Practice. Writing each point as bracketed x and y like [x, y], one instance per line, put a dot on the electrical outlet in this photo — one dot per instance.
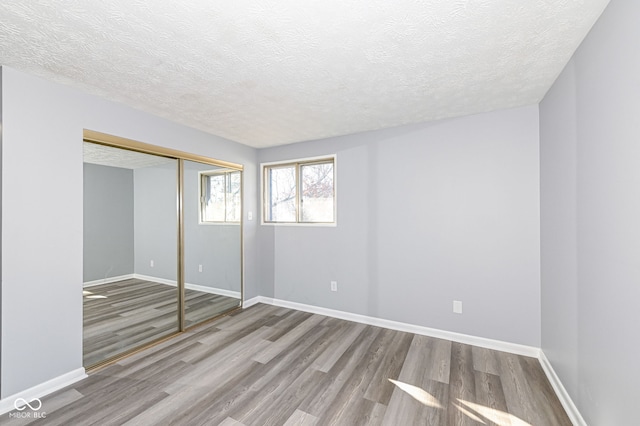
[334, 285]
[457, 307]
[199, 268]
[250, 215]
[151, 263]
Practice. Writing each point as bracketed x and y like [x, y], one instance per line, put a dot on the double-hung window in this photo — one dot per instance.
[220, 196]
[301, 191]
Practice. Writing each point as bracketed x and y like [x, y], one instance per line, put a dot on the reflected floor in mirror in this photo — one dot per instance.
[267, 365]
[123, 315]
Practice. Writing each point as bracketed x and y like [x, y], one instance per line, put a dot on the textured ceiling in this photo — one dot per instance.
[267, 72]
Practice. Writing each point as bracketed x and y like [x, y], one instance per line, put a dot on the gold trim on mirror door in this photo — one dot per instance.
[105, 139]
[242, 210]
[181, 296]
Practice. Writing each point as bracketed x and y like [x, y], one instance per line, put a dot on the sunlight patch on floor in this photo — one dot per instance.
[496, 416]
[418, 394]
[89, 295]
[477, 412]
[469, 414]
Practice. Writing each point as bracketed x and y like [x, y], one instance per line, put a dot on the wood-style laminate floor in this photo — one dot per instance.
[274, 366]
[126, 314]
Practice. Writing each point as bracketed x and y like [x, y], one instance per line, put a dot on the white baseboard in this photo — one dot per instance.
[218, 291]
[400, 326]
[202, 288]
[252, 301]
[155, 279]
[196, 287]
[108, 280]
[561, 392]
[7, 404]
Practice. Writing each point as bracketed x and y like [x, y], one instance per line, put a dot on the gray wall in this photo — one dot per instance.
[156, 221]
[427, 214]
[215, 247]
[1, 198]
[107, 222]
[590, 163]
[558, 206]
[109, 215]
[42, 279]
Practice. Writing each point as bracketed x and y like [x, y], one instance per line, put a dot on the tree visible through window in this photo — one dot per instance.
[300, 192]
[220, 196]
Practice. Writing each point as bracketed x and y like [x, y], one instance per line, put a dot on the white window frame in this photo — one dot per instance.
[201, 197]
[297, 163]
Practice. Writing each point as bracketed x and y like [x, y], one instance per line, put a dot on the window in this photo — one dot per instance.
[220, 196]
[299, 192]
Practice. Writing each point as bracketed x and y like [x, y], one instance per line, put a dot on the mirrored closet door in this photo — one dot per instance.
[162, 245]
[212, 237]
[130, 293]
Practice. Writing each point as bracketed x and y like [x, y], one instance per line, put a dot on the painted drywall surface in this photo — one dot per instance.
[109, 228]
[215, 247]
[156, 221]
[107, 222]
[42, 255]
[558, 203]
[1, 198]
[42, 251]
[608, 229]
[265, 237]
[427, 214]
[606, 72]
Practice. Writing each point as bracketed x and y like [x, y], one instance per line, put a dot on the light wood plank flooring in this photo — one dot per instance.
[274, 366]
[126, 314]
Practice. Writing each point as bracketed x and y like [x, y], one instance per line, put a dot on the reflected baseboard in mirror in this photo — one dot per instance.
[124, 315]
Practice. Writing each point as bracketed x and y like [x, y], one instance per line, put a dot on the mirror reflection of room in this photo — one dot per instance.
[130, 295]
[212, 237]
[131, 248]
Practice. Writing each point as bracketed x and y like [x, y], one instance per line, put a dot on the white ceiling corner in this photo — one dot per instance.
[266, 72]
